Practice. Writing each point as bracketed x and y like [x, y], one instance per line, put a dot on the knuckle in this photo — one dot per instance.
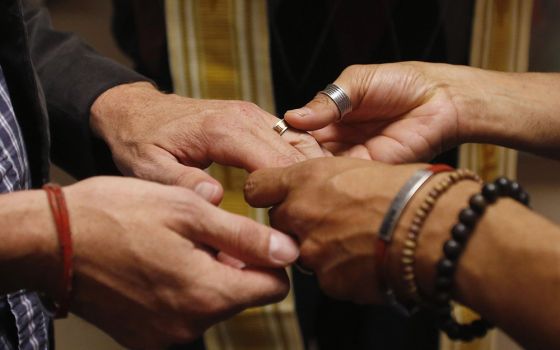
[245, 109]
[306, 172]
[247, 237]
[353, 70]
[185, 178]
[284, 160]
[213, 126]
[188, 213]
[297, 210]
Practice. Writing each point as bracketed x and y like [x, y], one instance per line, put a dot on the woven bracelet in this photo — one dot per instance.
[60, 215]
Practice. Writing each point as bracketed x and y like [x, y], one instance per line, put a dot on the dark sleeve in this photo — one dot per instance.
[72, 76]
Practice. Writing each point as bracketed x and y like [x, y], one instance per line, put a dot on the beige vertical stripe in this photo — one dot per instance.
[261, 53]
[191, 48]
[243, 50]
[175, 45]
[219, 49]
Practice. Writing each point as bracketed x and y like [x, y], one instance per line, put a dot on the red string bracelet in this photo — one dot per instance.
[59, 211]
[387, 228]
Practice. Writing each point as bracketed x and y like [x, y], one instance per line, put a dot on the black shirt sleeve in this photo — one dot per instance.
[72, 76]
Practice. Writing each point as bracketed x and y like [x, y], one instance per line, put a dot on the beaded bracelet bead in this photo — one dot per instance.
[453, 249]
[409, 248]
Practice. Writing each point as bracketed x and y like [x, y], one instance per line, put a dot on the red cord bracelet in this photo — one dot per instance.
[59, 211]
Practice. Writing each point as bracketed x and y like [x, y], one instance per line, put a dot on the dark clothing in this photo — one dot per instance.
[137, 29]
[311, 43]
[51, 71]
[24, 324]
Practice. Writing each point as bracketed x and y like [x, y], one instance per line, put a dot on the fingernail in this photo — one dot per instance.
[301, 112]
[206, 190]
[282, 249]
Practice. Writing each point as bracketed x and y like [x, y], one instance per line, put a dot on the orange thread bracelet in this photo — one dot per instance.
[60, 215]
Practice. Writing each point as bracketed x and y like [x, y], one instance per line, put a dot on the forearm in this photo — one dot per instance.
[29, 249]
[516, 110]
[510, 269]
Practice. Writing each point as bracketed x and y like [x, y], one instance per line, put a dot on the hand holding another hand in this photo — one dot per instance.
[402, 112]
[145, 269]
[169, 139]
[334, 207]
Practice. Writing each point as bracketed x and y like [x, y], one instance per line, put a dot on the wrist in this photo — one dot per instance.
[434, 232]
[516, 110]
[469, 89]
[29, 254]
[110, 107]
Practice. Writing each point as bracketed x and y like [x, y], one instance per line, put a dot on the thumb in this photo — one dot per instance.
[322, 111]
[318, 113]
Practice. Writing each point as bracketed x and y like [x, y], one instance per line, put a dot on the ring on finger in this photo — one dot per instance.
[281, 127]
[340, 99]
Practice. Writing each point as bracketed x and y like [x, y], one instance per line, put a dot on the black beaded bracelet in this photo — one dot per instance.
[454, 247]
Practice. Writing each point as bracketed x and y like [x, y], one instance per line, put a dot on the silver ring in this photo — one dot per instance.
[340, 99]
[281, 127]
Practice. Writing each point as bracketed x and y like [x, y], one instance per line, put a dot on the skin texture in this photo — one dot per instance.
[337, 236]
[334, 206]
[145, 269]
[409, 112]
[169, 139]
[412, 111]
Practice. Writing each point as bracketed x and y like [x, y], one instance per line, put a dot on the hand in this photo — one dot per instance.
[403, 112]
[168, 138]
[145, 267]
[334, 207]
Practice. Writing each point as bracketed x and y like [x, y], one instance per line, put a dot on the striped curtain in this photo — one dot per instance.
[500, 41]
[219, 49]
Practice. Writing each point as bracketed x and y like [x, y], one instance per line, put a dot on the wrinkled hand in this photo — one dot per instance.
[334, 207]
[168, 138]
[145, 268]
[402, 112]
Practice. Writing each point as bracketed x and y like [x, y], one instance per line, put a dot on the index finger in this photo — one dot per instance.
[266, 187]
